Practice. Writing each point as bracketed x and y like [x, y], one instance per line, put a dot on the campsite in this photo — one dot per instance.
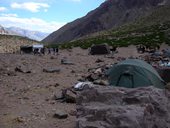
[85, 64]
[32, 85]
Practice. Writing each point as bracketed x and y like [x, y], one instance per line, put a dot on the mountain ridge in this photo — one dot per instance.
[35, 35]
[110, 14]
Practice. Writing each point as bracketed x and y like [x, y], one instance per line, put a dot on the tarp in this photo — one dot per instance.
[38, 46]
[133, 73]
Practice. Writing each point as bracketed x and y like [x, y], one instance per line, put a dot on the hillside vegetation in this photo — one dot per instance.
[151, 30]
[11, 43]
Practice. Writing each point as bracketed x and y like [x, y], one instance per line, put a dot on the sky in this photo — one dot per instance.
[43, 15]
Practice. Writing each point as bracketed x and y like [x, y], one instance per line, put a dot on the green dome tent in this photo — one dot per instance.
[132, 73]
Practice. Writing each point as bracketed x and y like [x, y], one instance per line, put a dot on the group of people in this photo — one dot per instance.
[38, 49]
[44, 51]
[150, 49]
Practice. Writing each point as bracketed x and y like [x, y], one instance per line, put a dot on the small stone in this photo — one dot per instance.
[58, 96]
[70, 97]
[92, 77]
[81, 78]
[52, 57]
[56, 84]
[73, 113]
[66, 62]
[99, 61]
[51, 70]
[98, 71]
[20, 119]
[72, 71]
[60, 114]
[22, 70]
[101, 82]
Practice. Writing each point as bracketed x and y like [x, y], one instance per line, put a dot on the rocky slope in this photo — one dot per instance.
[111, 14]
[12, 43]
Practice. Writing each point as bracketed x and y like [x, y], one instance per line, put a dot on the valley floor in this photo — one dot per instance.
[26, 99]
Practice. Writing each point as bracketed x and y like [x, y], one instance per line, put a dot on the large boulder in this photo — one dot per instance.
[112, 107]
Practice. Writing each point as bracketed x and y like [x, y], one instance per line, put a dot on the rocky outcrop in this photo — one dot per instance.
[112, 107]
[111, 14]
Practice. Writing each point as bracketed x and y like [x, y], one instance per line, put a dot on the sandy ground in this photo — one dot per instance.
[26, 99]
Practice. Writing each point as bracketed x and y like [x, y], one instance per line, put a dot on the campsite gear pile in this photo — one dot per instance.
[161, 62]
[97, 75]
[164, 72]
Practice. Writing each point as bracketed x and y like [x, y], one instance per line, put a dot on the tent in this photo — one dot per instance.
[132, 73]
[100, 49]
[26, 49]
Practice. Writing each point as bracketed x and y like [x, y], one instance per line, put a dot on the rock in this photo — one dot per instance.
[167, 86]
[7, 72]
[22, 70]
[58, 96]
[73, 113]
[60, 114]
[101, 82]
[11, 73]
[81, 78]
[66, 95]
[99, 61]
[98, 71]
[51, 70]
[70, 96]
[113, 107]
[66, 62]
[56, 85]
[92, 77]
[72, 71]
[52, 57]
[20, 119]
[53, 85]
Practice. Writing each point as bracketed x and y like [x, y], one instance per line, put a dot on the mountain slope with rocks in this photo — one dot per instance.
[111, 14]
[152, 30]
